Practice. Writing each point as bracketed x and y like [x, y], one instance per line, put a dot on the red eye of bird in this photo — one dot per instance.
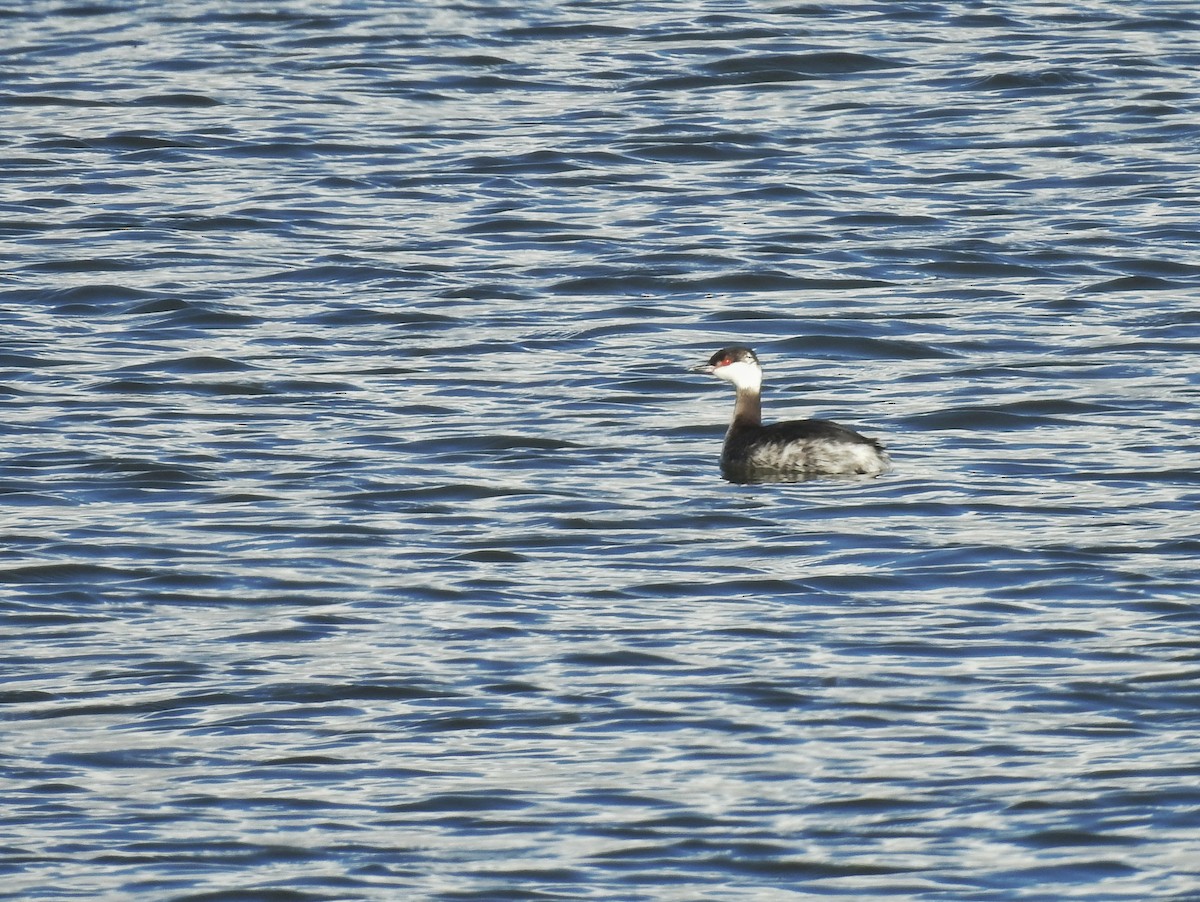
[725, 361]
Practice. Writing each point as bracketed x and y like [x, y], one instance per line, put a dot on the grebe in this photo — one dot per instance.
[795, 449]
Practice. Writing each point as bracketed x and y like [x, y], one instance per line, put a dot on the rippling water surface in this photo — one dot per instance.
[363, 534]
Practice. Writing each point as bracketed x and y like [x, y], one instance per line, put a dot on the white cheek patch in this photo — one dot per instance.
[742, 373]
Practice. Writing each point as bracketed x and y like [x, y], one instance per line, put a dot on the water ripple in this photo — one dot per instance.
[364, 532]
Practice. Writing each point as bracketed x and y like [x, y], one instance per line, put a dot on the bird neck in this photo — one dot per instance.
[747, 410]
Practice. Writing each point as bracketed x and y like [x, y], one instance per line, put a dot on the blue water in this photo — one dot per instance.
[363, 531]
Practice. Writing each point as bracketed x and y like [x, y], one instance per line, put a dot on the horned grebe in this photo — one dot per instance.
[797, 448]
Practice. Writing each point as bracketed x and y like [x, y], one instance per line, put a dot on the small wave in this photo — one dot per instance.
[1134, 283]
[177, 101]
[1008, 417]
[649, 283]
[1027, 82]
[51, 100]
[822, 345]
[767, 68]
[823, 63]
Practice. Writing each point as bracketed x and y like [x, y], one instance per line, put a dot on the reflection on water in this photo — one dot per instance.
[751, 476]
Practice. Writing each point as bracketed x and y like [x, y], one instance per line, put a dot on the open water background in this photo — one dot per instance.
[362, 531]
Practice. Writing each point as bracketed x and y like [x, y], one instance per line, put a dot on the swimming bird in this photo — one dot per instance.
[793, 449]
